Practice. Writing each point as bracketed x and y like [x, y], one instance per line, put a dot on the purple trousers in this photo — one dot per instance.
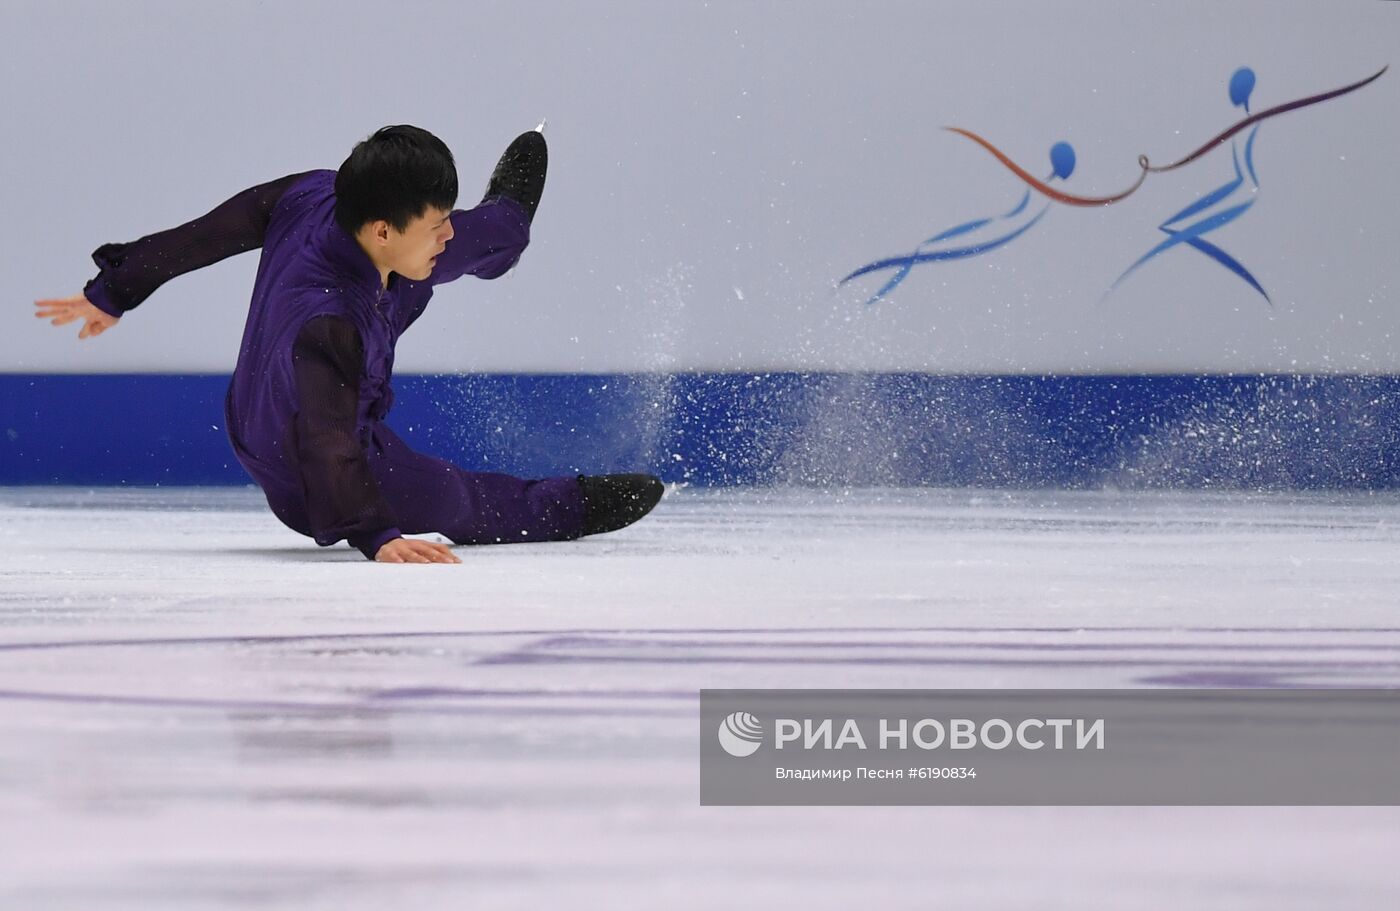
[428, 494]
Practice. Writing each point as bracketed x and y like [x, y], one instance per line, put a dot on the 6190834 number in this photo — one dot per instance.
[940, 772]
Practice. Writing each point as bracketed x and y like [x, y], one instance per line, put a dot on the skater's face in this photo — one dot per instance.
[413, 252]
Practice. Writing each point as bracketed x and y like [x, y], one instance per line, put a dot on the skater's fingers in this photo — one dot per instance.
[62, 311]
[62, 303]
[96, 325]
[438, 553]
[428, 552]
[406, 550]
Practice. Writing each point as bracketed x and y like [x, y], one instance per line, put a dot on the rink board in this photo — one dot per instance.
[717, 429]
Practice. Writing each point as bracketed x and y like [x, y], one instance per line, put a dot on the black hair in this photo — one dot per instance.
[394, 175]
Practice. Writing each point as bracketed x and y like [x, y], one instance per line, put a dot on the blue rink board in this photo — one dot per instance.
[1271, 431]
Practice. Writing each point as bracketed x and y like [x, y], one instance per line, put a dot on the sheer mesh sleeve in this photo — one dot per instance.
[132, 271]
[342, 496]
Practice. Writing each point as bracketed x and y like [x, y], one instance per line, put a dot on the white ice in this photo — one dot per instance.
[200, 709]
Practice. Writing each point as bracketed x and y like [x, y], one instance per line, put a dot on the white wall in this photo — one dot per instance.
[716, 166]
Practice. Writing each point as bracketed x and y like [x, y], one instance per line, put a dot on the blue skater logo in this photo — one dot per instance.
[1193, 234]
[1062, 166]
[1188, 226]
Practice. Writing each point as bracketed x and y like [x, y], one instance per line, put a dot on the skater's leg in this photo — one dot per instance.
[428, 494]
[488, 239]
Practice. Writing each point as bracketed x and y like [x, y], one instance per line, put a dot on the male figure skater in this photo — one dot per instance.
[349, 261]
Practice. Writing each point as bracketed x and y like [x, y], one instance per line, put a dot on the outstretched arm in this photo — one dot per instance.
[131, 272]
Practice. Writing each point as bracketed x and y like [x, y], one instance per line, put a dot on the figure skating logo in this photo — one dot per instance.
[741, 734]
[1212, 211]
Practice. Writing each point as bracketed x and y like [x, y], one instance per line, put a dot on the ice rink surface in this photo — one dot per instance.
[200, 709]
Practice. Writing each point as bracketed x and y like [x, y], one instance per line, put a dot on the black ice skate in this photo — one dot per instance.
[519, 174]
[613, 501]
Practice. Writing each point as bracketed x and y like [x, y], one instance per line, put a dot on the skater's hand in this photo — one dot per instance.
[409, 550]
[67, 309]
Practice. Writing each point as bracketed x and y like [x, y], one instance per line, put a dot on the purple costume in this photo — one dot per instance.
[305, 410]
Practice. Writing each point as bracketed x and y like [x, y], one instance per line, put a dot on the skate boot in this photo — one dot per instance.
[519, 174]
[613, 501]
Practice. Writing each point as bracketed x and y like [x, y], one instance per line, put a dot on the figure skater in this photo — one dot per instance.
[349, 261]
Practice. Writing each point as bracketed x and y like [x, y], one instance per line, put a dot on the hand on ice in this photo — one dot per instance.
[409, 550]
[62, 311]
